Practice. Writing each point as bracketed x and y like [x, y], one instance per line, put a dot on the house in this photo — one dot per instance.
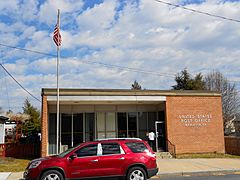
[3, 119]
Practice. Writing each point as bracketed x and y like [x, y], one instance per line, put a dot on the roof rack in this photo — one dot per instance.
[118, 139]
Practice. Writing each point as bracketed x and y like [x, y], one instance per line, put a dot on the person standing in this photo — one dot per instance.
[151, 137]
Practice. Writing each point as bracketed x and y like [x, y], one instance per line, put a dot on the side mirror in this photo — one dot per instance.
[73, 156]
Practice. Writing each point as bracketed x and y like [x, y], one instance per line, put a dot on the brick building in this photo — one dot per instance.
[185, 121]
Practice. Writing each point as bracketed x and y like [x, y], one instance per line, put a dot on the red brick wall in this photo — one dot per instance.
[44, 144]
[195, 124]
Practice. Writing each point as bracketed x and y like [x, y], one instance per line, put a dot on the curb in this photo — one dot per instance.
[198, 173]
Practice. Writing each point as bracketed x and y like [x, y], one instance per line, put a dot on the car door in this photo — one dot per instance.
[86, 162]
[112, 159]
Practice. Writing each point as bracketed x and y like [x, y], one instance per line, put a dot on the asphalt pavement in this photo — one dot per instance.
[181, 168]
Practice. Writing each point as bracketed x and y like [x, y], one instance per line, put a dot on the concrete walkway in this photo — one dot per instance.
[15, 176]
[175, 167]
[4, 175]
[182, 167]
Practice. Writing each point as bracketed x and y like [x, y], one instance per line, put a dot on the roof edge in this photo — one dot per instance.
[126, 92]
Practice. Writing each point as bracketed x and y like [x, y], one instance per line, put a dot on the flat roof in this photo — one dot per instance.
[125, 92]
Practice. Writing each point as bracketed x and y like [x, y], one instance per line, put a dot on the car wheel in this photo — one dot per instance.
[52, 175]
[136, 173]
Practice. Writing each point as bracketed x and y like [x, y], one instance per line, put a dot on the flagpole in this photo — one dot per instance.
[58, 57]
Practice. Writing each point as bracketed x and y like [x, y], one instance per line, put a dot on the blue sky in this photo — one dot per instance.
[142, 34]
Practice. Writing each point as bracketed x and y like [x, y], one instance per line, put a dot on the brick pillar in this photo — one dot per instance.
[44, 144]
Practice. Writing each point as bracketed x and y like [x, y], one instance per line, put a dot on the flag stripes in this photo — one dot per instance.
[57, 36]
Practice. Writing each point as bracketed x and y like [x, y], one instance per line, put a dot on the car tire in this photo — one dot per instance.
[52, 174]
[136, 173]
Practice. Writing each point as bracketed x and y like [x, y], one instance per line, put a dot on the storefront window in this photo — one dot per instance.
[77, 128]
[122, 125]
[89, 126]
[101, 125]
[52, 133]
[143, 125]
[110, 125]
[66, 130]
[152, 117]
[132, 124]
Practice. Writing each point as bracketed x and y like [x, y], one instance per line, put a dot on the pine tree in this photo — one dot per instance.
[32, 125]
[136, 86]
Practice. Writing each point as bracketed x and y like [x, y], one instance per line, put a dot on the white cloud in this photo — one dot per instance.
[151, 37]
[40, 41]
[8, 6]
[29, 9]
[98, 18]
[48, 10]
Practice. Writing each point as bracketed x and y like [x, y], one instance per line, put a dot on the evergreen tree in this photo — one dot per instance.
[136, 86]
[185, 81]
[32, 125]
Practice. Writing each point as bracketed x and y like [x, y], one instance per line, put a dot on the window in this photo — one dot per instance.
[77, 128]
[132, 124]
[66, 129]
[122, 125]
[111, 148]
[89, 150]
[52, 133]
[137, 147]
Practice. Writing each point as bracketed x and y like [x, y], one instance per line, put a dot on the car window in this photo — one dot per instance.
[137, 147]
[110, 148]
[89, 150]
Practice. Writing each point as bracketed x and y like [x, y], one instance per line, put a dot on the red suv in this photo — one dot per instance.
[130, 158]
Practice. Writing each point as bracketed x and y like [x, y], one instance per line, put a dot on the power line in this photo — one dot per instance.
[99, 63]
[28, 50]
[6, 87]
[197, 11]
[19, 83]
[94, 62]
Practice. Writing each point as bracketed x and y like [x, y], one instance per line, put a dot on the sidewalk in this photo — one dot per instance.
[175, 167]
[180, 167]
[4, 175]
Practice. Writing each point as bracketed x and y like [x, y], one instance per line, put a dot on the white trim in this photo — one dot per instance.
[108, 98]
[99, 149]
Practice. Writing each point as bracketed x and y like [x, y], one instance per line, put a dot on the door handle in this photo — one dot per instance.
[122, 158]
[95, 160]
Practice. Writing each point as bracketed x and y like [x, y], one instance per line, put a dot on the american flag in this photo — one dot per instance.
[57, 36]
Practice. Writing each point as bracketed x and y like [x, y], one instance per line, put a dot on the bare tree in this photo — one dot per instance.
[215, 81]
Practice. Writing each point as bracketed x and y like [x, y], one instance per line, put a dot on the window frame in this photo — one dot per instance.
[146, 148]
[98, 150]
[122, 152]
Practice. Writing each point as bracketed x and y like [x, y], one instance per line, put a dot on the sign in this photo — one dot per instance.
[195, 120]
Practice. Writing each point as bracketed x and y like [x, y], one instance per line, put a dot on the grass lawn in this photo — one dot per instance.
[207, 155]
[13, 165]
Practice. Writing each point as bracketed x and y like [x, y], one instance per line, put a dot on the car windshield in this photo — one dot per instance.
[67, 151]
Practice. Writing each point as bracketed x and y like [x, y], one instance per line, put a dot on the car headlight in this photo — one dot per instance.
[34, 164]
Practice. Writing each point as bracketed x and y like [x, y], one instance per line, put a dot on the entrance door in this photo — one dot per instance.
[160, 136]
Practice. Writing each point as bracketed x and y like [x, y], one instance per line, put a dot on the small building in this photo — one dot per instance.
[184, 121]
[3, 119]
